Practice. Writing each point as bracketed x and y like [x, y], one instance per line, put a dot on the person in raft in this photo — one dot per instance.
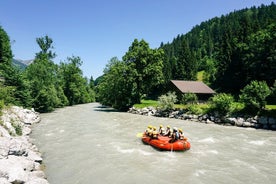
[148, 131]
[154, 133]
[181, 135]
[161, 130]
[175, 135]
[168, 131]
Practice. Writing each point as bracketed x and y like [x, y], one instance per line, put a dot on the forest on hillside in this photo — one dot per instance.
[232, 50]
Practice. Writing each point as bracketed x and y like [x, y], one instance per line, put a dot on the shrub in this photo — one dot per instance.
[1, 105]
[18, 129]
[195, 109]
[189, 98]
[254, 95]
[222, 103]
[271, 99]
[166, 102]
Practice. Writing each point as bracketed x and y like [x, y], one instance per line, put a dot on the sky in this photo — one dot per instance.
[98, 30]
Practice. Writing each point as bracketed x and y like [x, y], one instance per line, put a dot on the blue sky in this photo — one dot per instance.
[97, 30]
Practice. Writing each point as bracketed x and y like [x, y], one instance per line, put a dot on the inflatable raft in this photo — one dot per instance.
[162, 143]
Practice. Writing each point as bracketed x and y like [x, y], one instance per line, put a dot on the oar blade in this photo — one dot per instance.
[139, 135]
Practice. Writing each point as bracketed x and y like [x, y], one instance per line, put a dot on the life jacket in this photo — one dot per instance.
[176, 135]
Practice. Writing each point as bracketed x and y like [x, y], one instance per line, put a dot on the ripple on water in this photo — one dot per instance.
[206, 152]
[207, 140]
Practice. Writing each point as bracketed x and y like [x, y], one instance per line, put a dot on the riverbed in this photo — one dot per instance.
[89, 143]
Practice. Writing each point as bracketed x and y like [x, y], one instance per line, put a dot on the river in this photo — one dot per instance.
[88, 143]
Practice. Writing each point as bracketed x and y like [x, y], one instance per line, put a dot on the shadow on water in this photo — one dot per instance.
[104, 108]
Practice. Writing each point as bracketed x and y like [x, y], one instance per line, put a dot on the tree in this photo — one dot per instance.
[5, 48]
[14, 86]
[254, 95]
[75, 86]
[146, 65]
[116, 87]
[186, 67]
[45, 44]
[42, 77]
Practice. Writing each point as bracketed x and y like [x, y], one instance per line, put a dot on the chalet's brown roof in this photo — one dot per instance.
[192, 87]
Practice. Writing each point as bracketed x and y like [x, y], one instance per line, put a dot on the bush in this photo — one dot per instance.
[1, 104]
[195, 109]
[222, 103]
[271, 99]
[189, 98]
[166, 102]
[18, 129]
[254, 95]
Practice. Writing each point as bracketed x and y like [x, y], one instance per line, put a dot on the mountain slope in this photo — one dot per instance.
[22, 64]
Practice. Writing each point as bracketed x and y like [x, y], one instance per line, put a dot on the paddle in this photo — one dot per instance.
[139, 135]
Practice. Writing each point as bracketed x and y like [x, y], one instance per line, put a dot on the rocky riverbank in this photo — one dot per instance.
[20, 160]
[261, 122]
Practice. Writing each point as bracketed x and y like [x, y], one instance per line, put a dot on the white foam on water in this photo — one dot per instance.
[49, 134]
[215, 152]
[119, 149]
[144, 152]
[199, 172]
[259, 143]
[61, 131]
[207, 140]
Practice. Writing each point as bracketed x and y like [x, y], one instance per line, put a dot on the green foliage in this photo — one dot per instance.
[75, 87]
[18, 129]
[167, 101]
[254, 95]
[189, 98]
[222, 103]
[115, 88]
[2, 104]
[7, 94]
[195, 109]
[5, 49]
[45, 44]
[272, 97]
[146, 67]
[54, 85]
[124, 83]
[233, 50]
[13, 88]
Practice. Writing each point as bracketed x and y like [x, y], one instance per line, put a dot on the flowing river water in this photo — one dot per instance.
[88, 143]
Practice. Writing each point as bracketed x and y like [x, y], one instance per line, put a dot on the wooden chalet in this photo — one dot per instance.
[197, 87]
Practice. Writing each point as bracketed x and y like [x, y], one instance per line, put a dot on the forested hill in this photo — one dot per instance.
[233, 50]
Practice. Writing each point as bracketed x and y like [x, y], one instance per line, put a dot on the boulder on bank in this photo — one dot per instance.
[20, 161]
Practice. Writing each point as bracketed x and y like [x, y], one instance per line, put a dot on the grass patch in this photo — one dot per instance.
[154, 103]
[146, 103]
